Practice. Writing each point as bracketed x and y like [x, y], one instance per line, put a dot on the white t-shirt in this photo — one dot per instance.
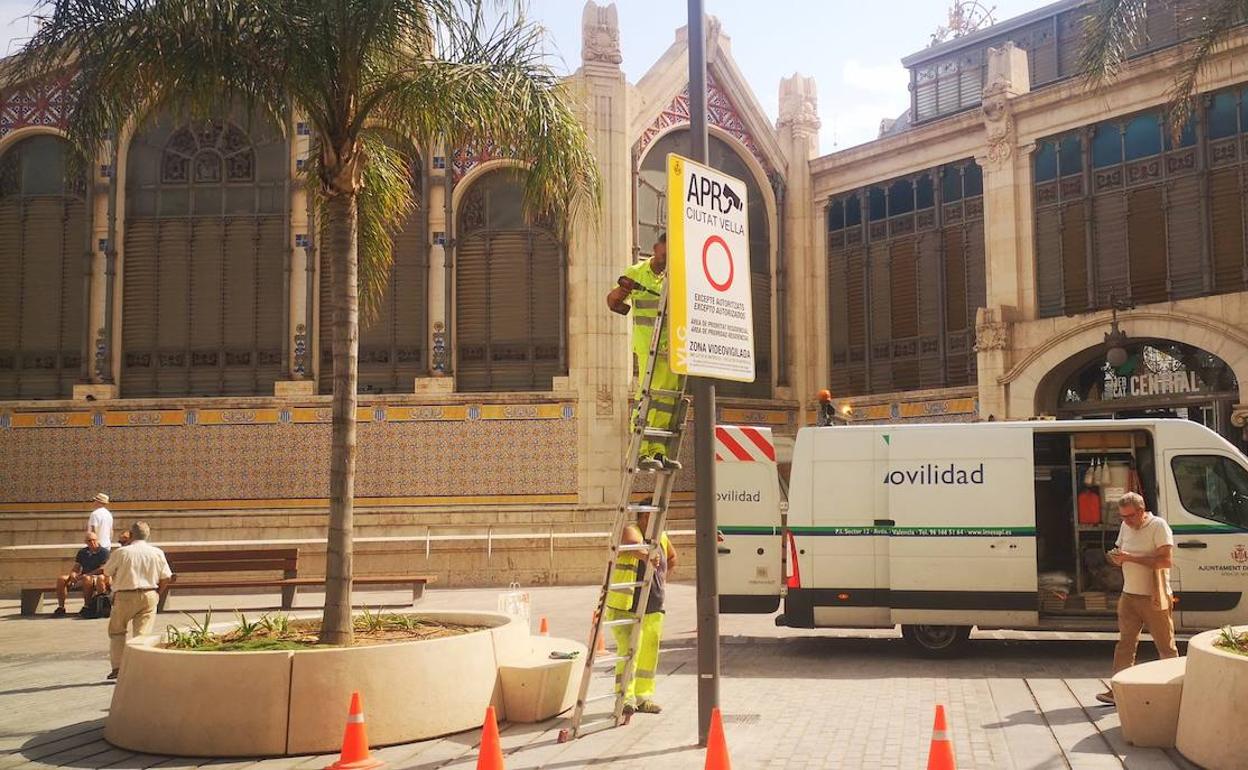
[101, 522]
[1136, 578]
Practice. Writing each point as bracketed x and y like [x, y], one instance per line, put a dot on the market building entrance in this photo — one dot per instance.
[1158, 378]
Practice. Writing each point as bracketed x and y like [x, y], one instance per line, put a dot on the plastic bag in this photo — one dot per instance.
[513, 601]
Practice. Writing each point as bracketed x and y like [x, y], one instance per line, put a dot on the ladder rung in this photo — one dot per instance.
[658, 432]
[609, 660]
[634, 547]
[667, 393]
[596, 698]
[622, 622]
[642, 508]
[597, 724]
[624, 586]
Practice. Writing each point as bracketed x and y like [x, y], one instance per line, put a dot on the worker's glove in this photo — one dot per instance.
[615, 300]
[628, 284]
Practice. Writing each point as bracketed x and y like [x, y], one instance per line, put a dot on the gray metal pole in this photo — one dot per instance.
[704, 426]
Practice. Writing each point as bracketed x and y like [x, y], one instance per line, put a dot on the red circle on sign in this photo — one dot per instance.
[706, 247]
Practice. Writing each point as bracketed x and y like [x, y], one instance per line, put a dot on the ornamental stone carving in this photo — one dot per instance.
[1007, 78]
[798, 105]
[1239, 416]
[600, 34]
[991, 333]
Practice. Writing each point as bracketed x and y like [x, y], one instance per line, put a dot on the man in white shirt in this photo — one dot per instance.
[138, 573]
[1144, 548]
[101, 521]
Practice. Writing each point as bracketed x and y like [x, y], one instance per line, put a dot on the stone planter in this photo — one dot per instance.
[1215, 705]
[295, 702]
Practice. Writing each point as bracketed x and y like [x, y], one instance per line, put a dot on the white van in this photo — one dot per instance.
[939, 528]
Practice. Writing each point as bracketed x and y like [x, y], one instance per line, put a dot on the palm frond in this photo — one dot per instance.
[489, 82]
[385, 199]
[1218, 18]
[1111, 32]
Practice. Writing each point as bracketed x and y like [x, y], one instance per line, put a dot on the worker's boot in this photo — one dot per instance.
[650, 464]
[647, 706]
[668, 463]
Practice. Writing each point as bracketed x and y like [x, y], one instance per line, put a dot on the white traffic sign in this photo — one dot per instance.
[710, 314]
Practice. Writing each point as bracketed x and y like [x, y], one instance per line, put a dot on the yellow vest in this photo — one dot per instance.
[645, 308]
[626, 571]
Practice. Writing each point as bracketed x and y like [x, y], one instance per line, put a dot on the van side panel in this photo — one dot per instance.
[962, 549]
[836, 529]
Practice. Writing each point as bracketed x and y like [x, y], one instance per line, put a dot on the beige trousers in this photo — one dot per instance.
[138, 608]
[1136, 612]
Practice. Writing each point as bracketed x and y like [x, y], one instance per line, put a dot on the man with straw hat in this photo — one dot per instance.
[101, 520]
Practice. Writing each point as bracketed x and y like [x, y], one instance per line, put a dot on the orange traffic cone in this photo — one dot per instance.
[716, 747]
[491, 756]
[941, 755]
[355, 754]
[543, 628]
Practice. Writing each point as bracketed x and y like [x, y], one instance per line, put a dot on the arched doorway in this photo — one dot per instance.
[1160, 378]
[43, 229]
[509, 290]
[651, 213]
[205, 243]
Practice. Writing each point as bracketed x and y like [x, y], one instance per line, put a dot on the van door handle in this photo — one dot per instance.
[1193, 544]
[885, 522]
[723, 550]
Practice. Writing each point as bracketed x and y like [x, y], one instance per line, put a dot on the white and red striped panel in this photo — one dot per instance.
[744, 444]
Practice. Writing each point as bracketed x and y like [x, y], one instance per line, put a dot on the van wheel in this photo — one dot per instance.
[937, 641]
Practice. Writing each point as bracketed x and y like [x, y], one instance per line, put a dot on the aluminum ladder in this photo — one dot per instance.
[626, 513]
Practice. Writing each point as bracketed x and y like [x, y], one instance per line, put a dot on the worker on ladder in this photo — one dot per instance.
[642, 285]
[622, 603]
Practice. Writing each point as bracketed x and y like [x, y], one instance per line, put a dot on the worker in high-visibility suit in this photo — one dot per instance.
[642, 285]
[622, 603]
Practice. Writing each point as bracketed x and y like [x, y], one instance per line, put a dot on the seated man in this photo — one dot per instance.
[87, 574]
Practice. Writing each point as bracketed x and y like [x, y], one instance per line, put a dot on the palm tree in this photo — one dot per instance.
[1116, 29]
[355, 70]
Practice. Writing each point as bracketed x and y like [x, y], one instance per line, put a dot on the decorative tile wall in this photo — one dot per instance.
[282, 453]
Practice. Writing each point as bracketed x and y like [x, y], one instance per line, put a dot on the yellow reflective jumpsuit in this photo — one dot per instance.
[623, 604]
[645, 302]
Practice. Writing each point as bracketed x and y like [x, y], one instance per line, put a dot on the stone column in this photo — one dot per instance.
[598, 354]
[101, 177]
[301, 283]
[437, 378]
[804, 270]
[1007, 226]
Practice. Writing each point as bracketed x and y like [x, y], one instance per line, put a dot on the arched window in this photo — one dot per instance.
[509, 292]
[392, 344]
[205, 246]
[652, 220]
[43, 230]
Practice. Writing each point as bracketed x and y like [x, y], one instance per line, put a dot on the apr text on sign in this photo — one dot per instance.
[711, 317]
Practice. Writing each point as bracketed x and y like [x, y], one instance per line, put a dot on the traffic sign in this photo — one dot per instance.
[708, 244]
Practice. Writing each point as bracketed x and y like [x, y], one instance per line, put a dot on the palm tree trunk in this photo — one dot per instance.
[341, 228]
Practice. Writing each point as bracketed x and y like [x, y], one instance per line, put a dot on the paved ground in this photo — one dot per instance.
[791, 698]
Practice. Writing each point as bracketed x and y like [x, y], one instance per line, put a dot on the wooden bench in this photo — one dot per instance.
[272, 560]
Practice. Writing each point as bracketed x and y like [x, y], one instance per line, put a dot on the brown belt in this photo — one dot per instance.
[133, 590]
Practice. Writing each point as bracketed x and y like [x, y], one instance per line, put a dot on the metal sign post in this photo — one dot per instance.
[704, 426]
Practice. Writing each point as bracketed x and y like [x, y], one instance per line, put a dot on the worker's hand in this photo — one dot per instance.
[615, 300]
[627, 284]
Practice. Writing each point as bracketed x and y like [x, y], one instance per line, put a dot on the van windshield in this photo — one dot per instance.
[1212, 487]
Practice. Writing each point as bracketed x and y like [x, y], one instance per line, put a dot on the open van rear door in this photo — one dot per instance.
[747, 500]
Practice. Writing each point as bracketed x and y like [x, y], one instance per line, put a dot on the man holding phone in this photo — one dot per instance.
[1144, 550]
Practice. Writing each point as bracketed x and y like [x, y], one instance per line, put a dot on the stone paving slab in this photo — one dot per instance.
[792, 698]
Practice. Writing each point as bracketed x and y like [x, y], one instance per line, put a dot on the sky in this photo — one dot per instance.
[852, 48]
